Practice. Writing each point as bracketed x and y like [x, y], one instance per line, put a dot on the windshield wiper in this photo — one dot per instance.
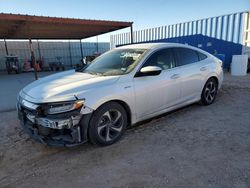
[94, 73]
[88, 72]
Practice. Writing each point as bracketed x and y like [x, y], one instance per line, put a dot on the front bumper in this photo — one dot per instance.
[69, 129]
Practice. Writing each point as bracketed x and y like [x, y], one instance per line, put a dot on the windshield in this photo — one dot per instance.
[115, 62]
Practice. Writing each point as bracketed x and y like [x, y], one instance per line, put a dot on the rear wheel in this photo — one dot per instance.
[107, 124]
[209, 92]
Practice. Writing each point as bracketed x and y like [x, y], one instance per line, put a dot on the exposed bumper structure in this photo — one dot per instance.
[54, 123]
[67, 129]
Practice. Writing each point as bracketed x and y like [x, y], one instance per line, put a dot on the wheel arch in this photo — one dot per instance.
[124, 105]
[213, 75]
[209, 77]
[215, 78]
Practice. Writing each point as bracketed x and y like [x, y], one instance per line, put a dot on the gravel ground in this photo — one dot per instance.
[196, 146]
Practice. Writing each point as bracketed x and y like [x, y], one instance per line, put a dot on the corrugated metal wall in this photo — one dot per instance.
[227, 27]
[68, 51]
[246, 36]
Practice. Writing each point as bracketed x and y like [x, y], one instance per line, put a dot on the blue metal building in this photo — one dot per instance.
[224, 36]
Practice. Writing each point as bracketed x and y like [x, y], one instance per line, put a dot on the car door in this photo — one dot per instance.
[155, 93]
[191, 71]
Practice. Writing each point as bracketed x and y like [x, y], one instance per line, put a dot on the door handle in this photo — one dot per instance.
[175, 76]
[203, 68]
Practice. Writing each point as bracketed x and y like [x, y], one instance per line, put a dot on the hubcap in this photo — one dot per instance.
[110, 125]
[210, 92]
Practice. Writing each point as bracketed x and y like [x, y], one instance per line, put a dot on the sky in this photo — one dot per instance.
[144, 13]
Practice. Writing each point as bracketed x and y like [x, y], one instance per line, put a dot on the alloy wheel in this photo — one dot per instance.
[110, 125]
[210, 91]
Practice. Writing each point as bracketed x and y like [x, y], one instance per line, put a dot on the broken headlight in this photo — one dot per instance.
[64, 107]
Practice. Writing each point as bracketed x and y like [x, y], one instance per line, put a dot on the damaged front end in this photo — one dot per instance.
[57, 124]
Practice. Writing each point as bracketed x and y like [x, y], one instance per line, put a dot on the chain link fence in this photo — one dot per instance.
[69, 53]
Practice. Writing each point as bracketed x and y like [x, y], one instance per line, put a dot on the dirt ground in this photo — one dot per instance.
[196, 146]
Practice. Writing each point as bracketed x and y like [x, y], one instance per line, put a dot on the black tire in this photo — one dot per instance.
[107, 124]
[209, 92]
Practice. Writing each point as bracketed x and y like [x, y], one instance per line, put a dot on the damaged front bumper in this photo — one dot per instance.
[66, 129]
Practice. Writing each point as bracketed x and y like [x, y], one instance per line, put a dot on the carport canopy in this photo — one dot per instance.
[16, 26]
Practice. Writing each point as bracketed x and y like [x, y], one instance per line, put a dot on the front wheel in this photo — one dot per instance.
[107, 124]
[209, 92]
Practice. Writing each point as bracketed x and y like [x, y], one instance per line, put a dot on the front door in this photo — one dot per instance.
[155, 93]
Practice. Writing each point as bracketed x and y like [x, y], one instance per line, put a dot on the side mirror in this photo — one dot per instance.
[149, 71]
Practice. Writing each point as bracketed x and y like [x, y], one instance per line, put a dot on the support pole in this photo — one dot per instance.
[81, 48]
[81, 52]
[97, 47]
[39, 50]
[6, 48]
[131, 34]
[70, 55]
[33, 60]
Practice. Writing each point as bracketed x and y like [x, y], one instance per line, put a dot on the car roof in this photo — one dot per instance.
[153, 45]
[158, 45]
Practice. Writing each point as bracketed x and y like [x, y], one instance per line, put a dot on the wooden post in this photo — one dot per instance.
[33, 59]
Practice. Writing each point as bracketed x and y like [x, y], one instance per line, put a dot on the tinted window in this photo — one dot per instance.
[186, 56]
[201, 56]
[162, 58]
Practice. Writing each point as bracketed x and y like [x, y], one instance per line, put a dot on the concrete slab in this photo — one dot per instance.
[10, 85]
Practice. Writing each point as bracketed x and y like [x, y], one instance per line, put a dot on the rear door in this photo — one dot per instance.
[192, 73]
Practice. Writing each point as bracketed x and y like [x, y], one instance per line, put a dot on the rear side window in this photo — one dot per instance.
[186, 56]
[201, 56]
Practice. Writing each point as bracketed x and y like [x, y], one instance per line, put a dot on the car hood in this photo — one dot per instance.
[64, 86]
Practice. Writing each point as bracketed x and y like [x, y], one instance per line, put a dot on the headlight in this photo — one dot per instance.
[64, 107]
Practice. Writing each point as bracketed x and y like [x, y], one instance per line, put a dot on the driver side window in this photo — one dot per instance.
[162, 58]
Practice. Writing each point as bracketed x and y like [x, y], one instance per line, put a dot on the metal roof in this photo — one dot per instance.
[16, 26]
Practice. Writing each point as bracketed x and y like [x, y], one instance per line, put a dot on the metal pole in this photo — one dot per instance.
[6, 48]
[131, 33]
[97, 44]
[70, 55]
[81, 52]
[33, 60]
[81, 49]
[39, 50]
